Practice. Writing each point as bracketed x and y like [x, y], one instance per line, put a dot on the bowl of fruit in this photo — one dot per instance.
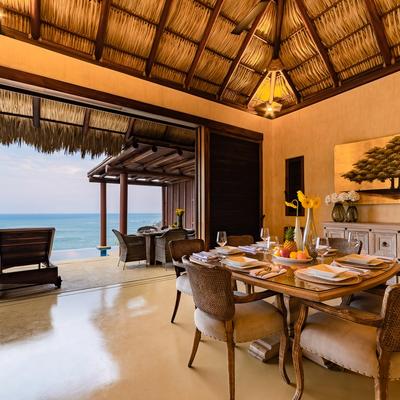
[288, 252]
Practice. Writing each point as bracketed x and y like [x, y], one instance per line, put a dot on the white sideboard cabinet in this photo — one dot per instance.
[377, 239]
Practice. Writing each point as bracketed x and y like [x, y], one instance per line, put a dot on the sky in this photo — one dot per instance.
[35, 183]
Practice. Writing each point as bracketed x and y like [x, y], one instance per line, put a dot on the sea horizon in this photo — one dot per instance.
[76, 231]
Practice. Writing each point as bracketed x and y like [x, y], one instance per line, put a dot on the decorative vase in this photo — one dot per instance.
[351, 213]
[298, 236]
[338, 213]
[310, 234]
[180, 221]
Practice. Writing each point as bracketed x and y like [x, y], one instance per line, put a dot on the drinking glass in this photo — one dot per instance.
[222, 238]
[264, 233]
[272, 241]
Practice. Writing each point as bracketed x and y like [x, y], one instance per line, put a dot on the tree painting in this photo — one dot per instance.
[379, 164]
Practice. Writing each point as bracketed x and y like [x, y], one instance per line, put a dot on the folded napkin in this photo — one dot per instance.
[326, 271]
[227, 250]
[362, 259]
[266, 273]
[205, 256]
[248, 249]
[242, 262]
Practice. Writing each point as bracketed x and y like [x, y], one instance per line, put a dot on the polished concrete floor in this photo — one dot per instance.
[118, 343]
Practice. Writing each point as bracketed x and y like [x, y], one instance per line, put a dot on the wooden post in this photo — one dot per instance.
[103, 220]
[123, 203]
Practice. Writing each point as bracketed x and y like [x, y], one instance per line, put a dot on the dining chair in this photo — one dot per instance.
[233, 319]
[131, 247]
[360, 341]
[344, 247]
[179, 249]
[162, 253]
[240, 240]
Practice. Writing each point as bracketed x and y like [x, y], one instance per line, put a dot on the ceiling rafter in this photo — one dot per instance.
[36, 111]
[235, 63]
[202, 45]
[86, 121]
[379, 31]
[157, 38]
[312, 31]
[35, 7]
[131, 127]
[102, 29]
[290, 83]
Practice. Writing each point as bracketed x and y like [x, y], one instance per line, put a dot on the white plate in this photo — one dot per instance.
[292, 260]
[242, 262]
[350, 280]
[326, 271]
[360, 259]
[225, 250]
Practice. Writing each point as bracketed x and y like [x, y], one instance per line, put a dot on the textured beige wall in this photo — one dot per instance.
[369, 111]
[30, 58]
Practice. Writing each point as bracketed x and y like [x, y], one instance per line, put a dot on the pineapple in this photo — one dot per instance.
[290, 244]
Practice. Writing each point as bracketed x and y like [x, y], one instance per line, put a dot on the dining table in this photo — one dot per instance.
[296, 289]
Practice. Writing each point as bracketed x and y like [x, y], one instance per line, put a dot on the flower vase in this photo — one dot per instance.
[298, 236]
[180, 221]
[338, 213]
[351, 213]
[310, 234]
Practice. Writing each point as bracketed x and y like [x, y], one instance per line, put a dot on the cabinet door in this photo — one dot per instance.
[385, 243]
[335, 233]
[363, 236]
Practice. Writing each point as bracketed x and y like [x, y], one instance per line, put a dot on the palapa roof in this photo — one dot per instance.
[188, 44]
[50, 126]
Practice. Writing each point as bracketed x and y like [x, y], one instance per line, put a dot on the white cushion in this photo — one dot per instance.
[350, 345]
[183, 284]
[252, 321]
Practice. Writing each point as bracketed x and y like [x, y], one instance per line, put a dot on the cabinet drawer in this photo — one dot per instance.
[335, 233]
[362, 236]
[384, 243]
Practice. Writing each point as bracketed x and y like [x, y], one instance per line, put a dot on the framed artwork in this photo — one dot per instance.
[371, 167]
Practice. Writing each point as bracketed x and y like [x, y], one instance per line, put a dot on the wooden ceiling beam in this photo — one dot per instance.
[278, 28]
[312, 31]
[164, 159]
[180, 164]
[293, 88]
[35, 7]
[239, 55]
[379, 31]
[86, 121]
[144, 173]
[202, 45]
[138, 157]
[102, 29]
[131, 127]
[159, 31]
[36, 111]
[130, 181]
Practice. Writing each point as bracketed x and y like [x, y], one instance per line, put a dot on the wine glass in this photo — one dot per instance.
[272, 241]
[221, 238]
[353, 239]
[264, 233]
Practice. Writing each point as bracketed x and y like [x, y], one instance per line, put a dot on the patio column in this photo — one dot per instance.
[103, 220]
[123, 203]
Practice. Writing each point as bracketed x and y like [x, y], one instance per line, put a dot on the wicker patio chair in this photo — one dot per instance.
[162, 253]
[362, 342]
[131, 247]
[240, 240]
[233, 319]
[179, 249]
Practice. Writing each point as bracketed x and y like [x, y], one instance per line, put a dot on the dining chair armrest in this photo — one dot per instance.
[254, 296]
[347, 313]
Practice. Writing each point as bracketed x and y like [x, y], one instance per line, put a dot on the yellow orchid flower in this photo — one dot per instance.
[291, 204]
[316, 202]
[307, 203]
[301, 196]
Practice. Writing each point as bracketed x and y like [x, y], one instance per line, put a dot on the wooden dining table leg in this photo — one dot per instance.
[284, 340]
[297, 352]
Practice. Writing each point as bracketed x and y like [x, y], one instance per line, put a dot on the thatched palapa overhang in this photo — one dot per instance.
[323, 45]
[50, 126]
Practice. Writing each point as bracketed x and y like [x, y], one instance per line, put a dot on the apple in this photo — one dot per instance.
[301, 255]
[285, 253]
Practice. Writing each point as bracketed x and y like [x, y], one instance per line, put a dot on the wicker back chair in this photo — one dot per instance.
[179, 249]
[240, 240]
[222, 315]
[360, 341]
[162, 253]
[131, 247]
[343, 246]
[147, 228]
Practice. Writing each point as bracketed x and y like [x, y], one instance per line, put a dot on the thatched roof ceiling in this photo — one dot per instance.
[188, 44]
[50, 126]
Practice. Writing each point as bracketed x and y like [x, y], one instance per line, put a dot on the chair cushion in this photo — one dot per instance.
[367, 302]
[350, 345]
[183, 284]
[252, 321]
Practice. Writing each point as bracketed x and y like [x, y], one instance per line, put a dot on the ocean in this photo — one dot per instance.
[77, 235]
